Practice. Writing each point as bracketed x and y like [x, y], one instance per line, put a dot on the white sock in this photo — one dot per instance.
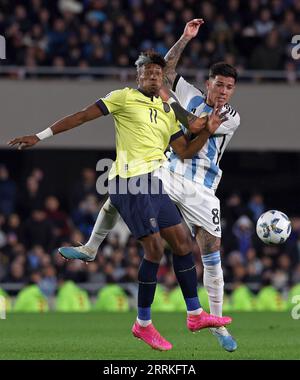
[144, 323]
[106, 220]
[214, 284]
[195, 312]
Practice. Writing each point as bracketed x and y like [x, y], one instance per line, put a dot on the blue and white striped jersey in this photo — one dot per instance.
[204, 166]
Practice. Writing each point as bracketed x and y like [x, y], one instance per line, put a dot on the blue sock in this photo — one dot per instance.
[147, 278]
[185, 270]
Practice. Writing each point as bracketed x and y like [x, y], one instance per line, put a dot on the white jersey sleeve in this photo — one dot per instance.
[184, 91]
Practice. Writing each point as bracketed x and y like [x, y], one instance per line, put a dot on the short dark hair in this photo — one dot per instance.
[224, 69]
[150, 56]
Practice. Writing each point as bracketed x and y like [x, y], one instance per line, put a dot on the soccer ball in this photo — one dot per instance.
[273, 227]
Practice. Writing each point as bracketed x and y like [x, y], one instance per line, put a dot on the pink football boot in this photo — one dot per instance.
[203, 320]
[151, 336]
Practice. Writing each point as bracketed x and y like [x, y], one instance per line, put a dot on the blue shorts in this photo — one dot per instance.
[143, 204]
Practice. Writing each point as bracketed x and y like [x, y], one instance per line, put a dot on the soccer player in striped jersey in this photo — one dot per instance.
[201, 175]
[145, 126]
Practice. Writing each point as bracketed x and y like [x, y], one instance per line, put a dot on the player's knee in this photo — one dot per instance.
[153, 249]
[108, 207]
[181, 248]
[208, 243]
[182, 244]
[213, 244]
[153, 256]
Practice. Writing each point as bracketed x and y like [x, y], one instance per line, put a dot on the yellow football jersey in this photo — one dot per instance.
[144, 127]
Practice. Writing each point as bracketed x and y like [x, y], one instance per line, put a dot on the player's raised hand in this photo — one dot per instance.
[24, 141]
[216, 119]
[192, 27]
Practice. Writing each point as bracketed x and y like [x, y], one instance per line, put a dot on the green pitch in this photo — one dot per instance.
[108, 336]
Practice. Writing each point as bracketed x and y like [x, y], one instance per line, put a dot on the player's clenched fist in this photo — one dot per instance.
[24, 141]
[192, 27]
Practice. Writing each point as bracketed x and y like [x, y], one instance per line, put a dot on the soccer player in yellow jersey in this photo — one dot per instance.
[145, 126]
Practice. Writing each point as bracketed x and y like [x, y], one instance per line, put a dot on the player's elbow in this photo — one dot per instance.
[81, 117]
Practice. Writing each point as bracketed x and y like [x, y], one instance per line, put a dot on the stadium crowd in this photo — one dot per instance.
[33, 224]
[254, 34]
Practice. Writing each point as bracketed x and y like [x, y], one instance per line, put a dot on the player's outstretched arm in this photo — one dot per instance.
[71, 121]
[185, 149]
[172, 57]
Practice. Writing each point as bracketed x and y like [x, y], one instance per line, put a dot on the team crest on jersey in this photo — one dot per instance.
[166, 107]
[153, 222]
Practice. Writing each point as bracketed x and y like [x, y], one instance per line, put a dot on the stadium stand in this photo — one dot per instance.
[100, 33]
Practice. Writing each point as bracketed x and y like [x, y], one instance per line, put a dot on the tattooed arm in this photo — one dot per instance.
[188, 119]
[195, 124]
[187, 149]
[173, 55]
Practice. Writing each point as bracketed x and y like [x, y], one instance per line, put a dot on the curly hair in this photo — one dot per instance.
[150, 56]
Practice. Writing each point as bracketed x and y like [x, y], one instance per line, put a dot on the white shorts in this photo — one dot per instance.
[198, 204]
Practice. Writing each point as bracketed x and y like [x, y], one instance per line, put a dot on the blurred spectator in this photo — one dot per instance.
[76, 237]
[296, 275]
[7, 192]
[239, 274]
[75, 271]
[109, 272]
[16, 273]
[118, 261]
[243, 231]
[48, 283]
[31, 197]
[2, 233]
[58, 218]
[85, 215]
[233, 209]
[70, 6]
[131, 274]
[13, 228]
[254, 266]
[256, 206]
[264, 24]
[281, 276]
[94, 274]
[291, 72]
[35, 258]
[293, 243]
[268, 55]
[38, 230]
[85, 186]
